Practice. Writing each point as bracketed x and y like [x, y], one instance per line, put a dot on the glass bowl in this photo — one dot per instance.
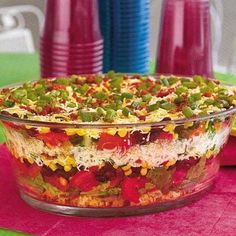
[115, 169]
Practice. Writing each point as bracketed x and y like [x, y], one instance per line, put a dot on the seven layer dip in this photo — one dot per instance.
[116, 140]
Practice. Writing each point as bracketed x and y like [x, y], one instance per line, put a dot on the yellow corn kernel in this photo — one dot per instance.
[170, 163]
[122, 132]
[111, 131]
[44, 130]
[30, 160]
[52, 166]
[67, 168]
[71, 132]
[234, 102]
[115, 166]
[128, 172]
[146, 129]
[28, 127]
[209, 154]
[143, 171]
[81, 132]
[175, 136]
[169, 128]
[217, 126]
[144, 164]
[61, 162]
[63, 181]
[127, 167]
[70, 161]
[188, 124]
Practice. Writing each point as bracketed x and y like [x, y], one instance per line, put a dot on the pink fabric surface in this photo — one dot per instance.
[214, 214]
[228, 154]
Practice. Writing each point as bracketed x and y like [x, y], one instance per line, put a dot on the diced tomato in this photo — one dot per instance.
[58, 182]
[166, 135]
[110, 142]
[130, 186]
[179, 176]
[58, 86]
[29, 170]
[53, 138]
[84, 181]
[118, 178]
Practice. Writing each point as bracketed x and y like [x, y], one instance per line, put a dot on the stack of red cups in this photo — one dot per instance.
[71, 41]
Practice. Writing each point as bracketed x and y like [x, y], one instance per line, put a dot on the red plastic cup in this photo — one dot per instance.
[57, 21]
[71, 39]
[85, 16]
[185, 39]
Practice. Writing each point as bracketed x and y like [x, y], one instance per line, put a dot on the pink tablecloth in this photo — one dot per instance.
[215, 214]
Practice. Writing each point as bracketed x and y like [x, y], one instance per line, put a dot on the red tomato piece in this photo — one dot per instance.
[166, 135]
[109, 142]
[129, 189]
[58, 182]
[117, 179]
[53, 138]
[29, 170]
[84, 180]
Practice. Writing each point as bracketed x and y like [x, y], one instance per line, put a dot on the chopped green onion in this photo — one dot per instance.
[165, 82]
[154, 107]
[178, 100]
[147, 98]
[172, 80]
[19, 94]
[181, 90]
[8, 103]
[101, 95]
[199, 80]
[101, 112]
[135, 104]
[167, 106]
[125, 111]
[64, 94]
[126, 95]
[83, 89]
[71, 105]
[189, 84]
[89, 116]
[188, 112]
[110, 115]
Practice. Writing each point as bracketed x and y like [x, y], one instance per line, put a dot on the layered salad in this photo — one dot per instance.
[116, 140]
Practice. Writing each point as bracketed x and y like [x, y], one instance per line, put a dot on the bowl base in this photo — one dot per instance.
[200, 190]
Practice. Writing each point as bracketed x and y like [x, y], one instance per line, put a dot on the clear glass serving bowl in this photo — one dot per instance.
[115, 169]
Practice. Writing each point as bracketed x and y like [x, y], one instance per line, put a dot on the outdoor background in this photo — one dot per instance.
[224, 30]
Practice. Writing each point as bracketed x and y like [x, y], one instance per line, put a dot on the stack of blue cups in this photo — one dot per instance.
[127, 43]
[106, 30]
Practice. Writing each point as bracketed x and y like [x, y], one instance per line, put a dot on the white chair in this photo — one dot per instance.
[14, 36]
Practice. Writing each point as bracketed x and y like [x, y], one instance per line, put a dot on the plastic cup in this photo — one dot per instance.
[185, 48]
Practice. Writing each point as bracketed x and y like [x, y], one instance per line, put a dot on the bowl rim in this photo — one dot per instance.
[94, 125]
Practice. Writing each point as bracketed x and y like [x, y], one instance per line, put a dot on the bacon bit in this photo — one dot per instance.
[79, 82]
[90, 79]
[73, 116]
[78, 99]
[207, 94]
[164, 93]
[136, 76]
[144, 92]
[142, 118]
[58, 86]
[27, 108]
